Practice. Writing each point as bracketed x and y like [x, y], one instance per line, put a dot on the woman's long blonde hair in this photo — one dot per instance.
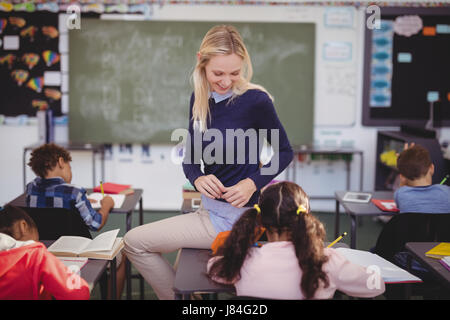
[219, 40]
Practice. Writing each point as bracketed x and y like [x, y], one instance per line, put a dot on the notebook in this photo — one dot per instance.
[439, 251]
[385, 205]
[445, 261]
[118, 200]
[388, 271]
[114, 188]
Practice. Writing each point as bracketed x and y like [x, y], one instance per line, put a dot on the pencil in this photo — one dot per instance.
[101, 188]
[337, 240]
[445, 179]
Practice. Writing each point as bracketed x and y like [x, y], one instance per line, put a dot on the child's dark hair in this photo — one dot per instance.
[45, 158]
[278, 205]
[9, 215]
[414, 162]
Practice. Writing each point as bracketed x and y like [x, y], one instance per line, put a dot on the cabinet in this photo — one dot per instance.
[391, 142]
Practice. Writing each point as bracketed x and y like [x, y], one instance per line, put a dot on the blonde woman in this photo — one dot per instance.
[240, 114]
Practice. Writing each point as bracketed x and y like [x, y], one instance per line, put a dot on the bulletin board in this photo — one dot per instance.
[29, 63]
[407, 68]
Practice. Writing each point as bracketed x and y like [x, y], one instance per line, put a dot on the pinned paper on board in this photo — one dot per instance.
[30, 59]
[429, 31]
[8, 60]
[39, 104]
[53, 94]
[11, 42]
[6, 6]
[407, 25]
[52, 78]
[3, 24]
[29, 32]
[50, 57]
[337, 51]
[338, 17]
[381, 65]
[50, 32]
[20, 76]
[432, 96]
[404, 57]
[17, 22]
[36, 84]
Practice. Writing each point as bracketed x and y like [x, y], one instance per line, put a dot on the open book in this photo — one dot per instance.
[388, 271]
[118, 200]
[105, 246]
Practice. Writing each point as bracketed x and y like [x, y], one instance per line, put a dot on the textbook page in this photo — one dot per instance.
[103, 242]
[389, 271]
[118, 199]
[70, 244]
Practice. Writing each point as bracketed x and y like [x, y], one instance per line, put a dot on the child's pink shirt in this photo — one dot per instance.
[273, 272]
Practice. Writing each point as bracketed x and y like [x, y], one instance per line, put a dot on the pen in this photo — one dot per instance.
[445, 179]
[338, 239]
[101, 188]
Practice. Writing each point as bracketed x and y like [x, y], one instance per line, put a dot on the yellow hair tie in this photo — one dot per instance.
[257, 208]
[301, 208]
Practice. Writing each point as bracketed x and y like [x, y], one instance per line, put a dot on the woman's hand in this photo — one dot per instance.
[210, 186]
[239, 194]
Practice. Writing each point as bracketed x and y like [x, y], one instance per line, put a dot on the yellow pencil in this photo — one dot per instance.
[101, 188]
[337, 240]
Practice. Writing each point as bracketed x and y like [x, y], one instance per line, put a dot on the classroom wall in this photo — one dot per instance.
[337, 118]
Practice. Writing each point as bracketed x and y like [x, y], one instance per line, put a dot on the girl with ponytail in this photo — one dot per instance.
[294, 264]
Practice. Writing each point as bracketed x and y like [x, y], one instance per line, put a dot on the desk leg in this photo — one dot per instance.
[24, 170]
[141, 222]
[361, 172]
[113, 279]
[354, 221]
[336, 221]
[408, 288]
[93, 170]
[128, 264]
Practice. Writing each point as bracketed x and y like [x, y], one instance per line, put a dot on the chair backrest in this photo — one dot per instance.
[53, 223]
[411, 227]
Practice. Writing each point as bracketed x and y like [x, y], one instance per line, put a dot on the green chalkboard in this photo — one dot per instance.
[129, 81]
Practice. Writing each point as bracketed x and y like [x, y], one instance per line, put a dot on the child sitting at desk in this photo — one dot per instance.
[52, 189]
[417, 193]
[294, 263]
[27, 270]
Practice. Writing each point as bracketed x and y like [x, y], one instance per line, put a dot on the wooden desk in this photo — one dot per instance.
[93, 269]
[418, 250]
[191, 277]
[355, 210]
[93, 148]
[127, 208]
[348, 152]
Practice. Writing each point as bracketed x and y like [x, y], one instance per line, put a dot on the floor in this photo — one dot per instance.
[368, 231]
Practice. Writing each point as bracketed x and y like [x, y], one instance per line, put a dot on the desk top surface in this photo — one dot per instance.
[191, 273]
[365, 209]
[91, 271]
[128, 205]
[326, 150]
[418, 249]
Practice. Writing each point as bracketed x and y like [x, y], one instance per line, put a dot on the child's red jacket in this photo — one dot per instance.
[30, 272]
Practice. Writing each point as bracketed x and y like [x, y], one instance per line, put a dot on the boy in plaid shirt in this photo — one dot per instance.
[52, 188]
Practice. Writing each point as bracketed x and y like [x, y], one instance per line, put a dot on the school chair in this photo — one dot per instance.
[53, 223]
[412, 227]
